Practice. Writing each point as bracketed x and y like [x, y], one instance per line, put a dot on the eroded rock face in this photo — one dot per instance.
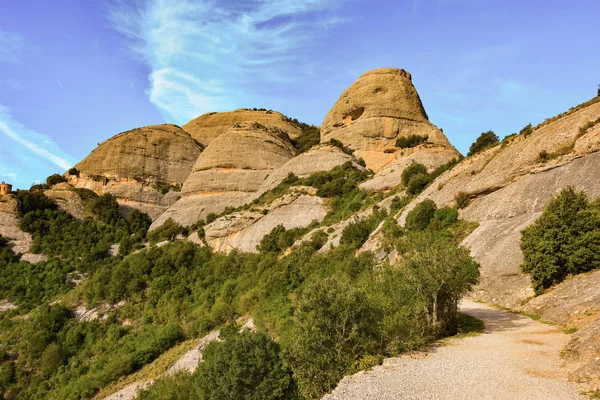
[374, 111]
[245, 230]
[510, 188]
[232, 167]
[137, 166]
[209, 126]
[67, 199]
[320, 158]
[9, 228]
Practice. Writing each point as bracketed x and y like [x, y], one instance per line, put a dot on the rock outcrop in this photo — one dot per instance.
[209, 126]
[143, 167]
[67, 199]
[9, 228]
[244, 230]
[231, 168]
[381, 106]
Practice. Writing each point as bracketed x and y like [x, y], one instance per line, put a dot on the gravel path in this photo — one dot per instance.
[516, 358]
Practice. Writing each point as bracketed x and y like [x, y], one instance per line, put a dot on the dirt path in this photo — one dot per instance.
[516, 358]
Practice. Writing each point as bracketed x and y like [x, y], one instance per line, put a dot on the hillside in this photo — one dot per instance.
[343, 250]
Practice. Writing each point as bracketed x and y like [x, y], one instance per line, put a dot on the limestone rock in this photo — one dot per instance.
[244, 230]
[510, 187]
[320, 158]
[209, 126]
[160, 153]
[67, 199]
[9, 228]
[230, 169]
[135, 165]
[374, 111]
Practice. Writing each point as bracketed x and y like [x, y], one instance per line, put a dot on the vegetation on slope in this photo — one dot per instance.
[564, 240]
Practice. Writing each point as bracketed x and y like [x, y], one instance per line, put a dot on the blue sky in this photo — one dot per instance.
[73, 73]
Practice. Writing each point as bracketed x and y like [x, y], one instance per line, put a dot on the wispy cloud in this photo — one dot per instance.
[11, 47]
[25, 141]
[207, 55]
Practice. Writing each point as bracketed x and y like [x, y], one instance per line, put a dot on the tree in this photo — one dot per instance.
[332, 329]
[420, 217]
[484, 141]
[564, 240]
[246, 366]
[412, 170]
[55, 179]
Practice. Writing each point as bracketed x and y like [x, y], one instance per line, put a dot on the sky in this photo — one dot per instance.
[74, 73]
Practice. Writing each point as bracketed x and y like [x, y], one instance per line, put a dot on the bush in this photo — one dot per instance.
[55, 179]
[526, 131]
[74, 172]
[544, 156]
[444, 218]
[417, 183]
[421, 216]
[246, 366]
[484, 141]
[411, 170]
[105, 208]
[356, 233]
[565, 240]
[410, 141]
[167, 231]
[341, 146]
[34, 201]
[309, 137]
[462, 199]
[333, 321]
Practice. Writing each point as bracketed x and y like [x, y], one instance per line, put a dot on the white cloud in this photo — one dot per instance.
[206, 55]
[35, 142]
[11, 47]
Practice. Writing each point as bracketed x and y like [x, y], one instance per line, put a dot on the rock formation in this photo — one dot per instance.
[9, 228]
[231, 168]
[139, 166]
[211, 125]
[244, 230]
[381, 106]
[67, 199]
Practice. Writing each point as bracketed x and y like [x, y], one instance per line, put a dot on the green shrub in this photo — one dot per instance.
[356, 233]
[421, 216]
[485, 140]
[410, 141]
[341, 146]
[417, 183]
[55, 179]
[167, 231]
[564, 240]
[410, 171]
[462, 200]
[33, 201]
[106, 208]
[526, 131]
[246, 366]
[73, 172]
[444, 218]
[333, 321]
[543, 156]
[86, 195]
[309, 137]
[444, 167]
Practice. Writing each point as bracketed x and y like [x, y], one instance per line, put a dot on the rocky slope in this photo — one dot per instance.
[231, 168]
[143, 167]
[381, 106]
[9, 228]
[209, 126]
